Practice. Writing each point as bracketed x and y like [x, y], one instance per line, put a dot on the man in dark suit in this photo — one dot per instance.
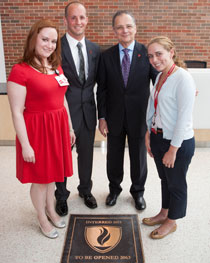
[122, 96]
[79, 61]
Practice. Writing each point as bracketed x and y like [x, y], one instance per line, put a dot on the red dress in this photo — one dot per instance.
[47, 127]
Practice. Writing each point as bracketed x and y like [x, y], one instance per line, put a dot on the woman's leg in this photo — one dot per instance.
[50, 203]
[177, 187]
[38, 196]
[176, 178]
[158, 150]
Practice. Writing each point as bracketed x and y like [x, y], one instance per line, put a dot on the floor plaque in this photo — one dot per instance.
[103, 239]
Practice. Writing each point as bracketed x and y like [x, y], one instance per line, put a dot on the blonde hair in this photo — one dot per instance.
[167, 44]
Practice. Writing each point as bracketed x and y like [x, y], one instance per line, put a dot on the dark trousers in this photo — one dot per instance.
[173, 180]
[84, 147]
[115, 162]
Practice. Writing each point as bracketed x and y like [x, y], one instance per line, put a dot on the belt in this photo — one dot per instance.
[157, 131]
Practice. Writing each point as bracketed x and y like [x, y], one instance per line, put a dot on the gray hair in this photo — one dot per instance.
[122, 12]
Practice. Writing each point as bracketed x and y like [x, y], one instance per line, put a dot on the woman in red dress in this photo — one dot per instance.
[36, 90]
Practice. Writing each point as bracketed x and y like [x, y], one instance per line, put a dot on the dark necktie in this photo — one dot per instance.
[125, 65]
[81, 64]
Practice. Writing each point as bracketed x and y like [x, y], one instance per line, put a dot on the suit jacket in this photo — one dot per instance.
[115, 101]
[80, 97]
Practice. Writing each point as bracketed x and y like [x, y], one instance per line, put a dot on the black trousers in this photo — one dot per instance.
[115, 162]
[173, 180]
[84, 147]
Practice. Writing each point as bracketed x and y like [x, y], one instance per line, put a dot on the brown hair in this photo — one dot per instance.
[29, 54]
[168, 45]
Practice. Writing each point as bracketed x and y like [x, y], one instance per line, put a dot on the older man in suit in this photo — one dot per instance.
[79, 61]
[122, 96]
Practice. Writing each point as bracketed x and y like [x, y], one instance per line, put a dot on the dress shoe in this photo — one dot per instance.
[148, 221]
[140, 203]
[155, 235]
[52, 234]
[111, 199]
[61, 207]
[89, 200]
[59, 224]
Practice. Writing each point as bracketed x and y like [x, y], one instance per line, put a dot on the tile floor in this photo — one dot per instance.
[22, 242]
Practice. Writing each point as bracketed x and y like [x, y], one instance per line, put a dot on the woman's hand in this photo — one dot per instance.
[147, 144]
[28, 154]
[73, 137]
[170, 157]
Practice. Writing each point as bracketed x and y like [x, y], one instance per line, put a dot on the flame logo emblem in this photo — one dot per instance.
[103, 238]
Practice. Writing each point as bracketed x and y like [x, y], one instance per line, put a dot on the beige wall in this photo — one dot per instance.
[202, 137]
[7, 132]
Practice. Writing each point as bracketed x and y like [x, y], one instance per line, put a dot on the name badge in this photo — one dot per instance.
[62, 80]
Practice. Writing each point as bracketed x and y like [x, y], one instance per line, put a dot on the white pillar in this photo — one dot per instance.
[2, 61]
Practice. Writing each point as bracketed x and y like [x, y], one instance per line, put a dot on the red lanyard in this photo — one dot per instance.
[157, 90]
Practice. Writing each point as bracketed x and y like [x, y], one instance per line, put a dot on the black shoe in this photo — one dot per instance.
[89, 200]
[140, 203]
[61, 207]
[111, 199]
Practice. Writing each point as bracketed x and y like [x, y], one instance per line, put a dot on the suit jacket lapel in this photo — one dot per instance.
[136, 56]
[89, 55]
[67, 52]
[116, 62]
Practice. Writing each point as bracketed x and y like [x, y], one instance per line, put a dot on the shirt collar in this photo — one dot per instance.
[130, 47]
[73, 42]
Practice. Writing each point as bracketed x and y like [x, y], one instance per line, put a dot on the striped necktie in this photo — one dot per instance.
[125, 65]
[81, 64]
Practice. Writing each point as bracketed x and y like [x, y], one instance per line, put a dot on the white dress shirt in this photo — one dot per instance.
[74, 50]
[130, 51]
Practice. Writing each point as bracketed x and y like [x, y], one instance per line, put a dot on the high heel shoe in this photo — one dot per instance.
[59, 224]
[52, 234]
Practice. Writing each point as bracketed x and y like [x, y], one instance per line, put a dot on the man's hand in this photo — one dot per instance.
[103, 127]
